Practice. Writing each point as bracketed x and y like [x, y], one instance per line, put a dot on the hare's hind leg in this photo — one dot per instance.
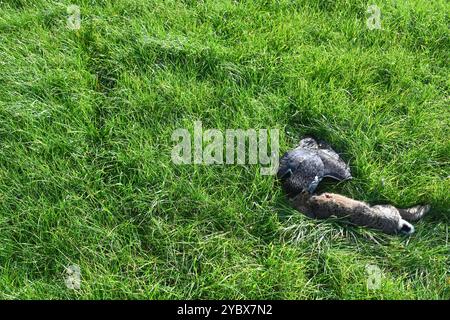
[414, 213]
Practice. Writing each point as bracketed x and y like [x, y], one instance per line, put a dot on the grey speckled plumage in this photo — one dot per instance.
[302, 168]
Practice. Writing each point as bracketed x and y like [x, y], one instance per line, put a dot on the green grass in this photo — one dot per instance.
[86, 119]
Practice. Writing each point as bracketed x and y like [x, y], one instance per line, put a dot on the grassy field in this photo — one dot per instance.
[86, 118]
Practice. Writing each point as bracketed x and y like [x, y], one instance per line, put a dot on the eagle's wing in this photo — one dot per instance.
[300, 170]
[334, 166]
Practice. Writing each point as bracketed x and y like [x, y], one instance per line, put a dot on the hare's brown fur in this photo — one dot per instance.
[383, 217]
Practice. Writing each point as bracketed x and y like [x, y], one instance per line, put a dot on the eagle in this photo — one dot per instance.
[302, 168]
